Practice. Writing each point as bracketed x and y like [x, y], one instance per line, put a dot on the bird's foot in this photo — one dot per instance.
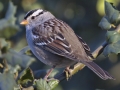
[68, 72]
[48, 73]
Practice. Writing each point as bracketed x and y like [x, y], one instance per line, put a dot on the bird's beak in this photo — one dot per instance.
[24, 22]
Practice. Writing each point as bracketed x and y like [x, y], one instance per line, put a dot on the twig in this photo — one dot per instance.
[99, 50]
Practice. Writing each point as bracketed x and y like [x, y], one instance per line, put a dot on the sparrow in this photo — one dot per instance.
[55, 43]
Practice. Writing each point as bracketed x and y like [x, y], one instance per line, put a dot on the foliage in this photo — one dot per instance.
[8, 23]
[16, 68]
[109, 22]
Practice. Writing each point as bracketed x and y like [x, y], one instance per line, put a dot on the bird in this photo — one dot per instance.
[55, 43]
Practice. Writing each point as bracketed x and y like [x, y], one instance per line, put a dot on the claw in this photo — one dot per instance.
[67, 73]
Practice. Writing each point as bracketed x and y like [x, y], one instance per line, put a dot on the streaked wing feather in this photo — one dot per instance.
[86, 47]
[55, 42]
[57, 46]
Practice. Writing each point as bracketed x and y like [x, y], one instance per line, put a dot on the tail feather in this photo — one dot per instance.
[99, 71]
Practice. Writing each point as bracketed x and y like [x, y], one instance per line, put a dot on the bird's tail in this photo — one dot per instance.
[99, 71]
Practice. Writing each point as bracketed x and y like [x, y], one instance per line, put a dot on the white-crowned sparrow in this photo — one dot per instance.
[54, 43]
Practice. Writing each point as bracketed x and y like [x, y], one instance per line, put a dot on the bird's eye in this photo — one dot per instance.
[33, 17]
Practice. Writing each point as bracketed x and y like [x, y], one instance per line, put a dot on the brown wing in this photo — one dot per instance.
[49, 36]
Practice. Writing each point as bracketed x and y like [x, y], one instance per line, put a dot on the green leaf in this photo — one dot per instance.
[53, 83]
[26, 50]
[26, 77]
[4, 45]
[111, 12]
[104, 23]
[10, 15]
[14, 58]
[42, 85]
[7, 24]
[112, 48]
[7, 81]
[8, 31]
[112, 36]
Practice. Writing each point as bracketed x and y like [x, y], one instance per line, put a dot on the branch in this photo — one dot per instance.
[99, 50]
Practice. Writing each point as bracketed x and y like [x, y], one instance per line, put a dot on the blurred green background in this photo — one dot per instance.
[83, 16]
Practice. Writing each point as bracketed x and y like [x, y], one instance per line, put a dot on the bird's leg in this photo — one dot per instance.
[67, 72]
[48, 73]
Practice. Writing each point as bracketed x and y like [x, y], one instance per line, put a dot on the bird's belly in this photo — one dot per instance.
[51, 59]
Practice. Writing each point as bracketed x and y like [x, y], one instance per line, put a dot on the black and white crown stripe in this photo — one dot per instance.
[30, 13]
[35, 13]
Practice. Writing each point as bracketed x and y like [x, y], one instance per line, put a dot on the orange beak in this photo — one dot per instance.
[24, 22]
